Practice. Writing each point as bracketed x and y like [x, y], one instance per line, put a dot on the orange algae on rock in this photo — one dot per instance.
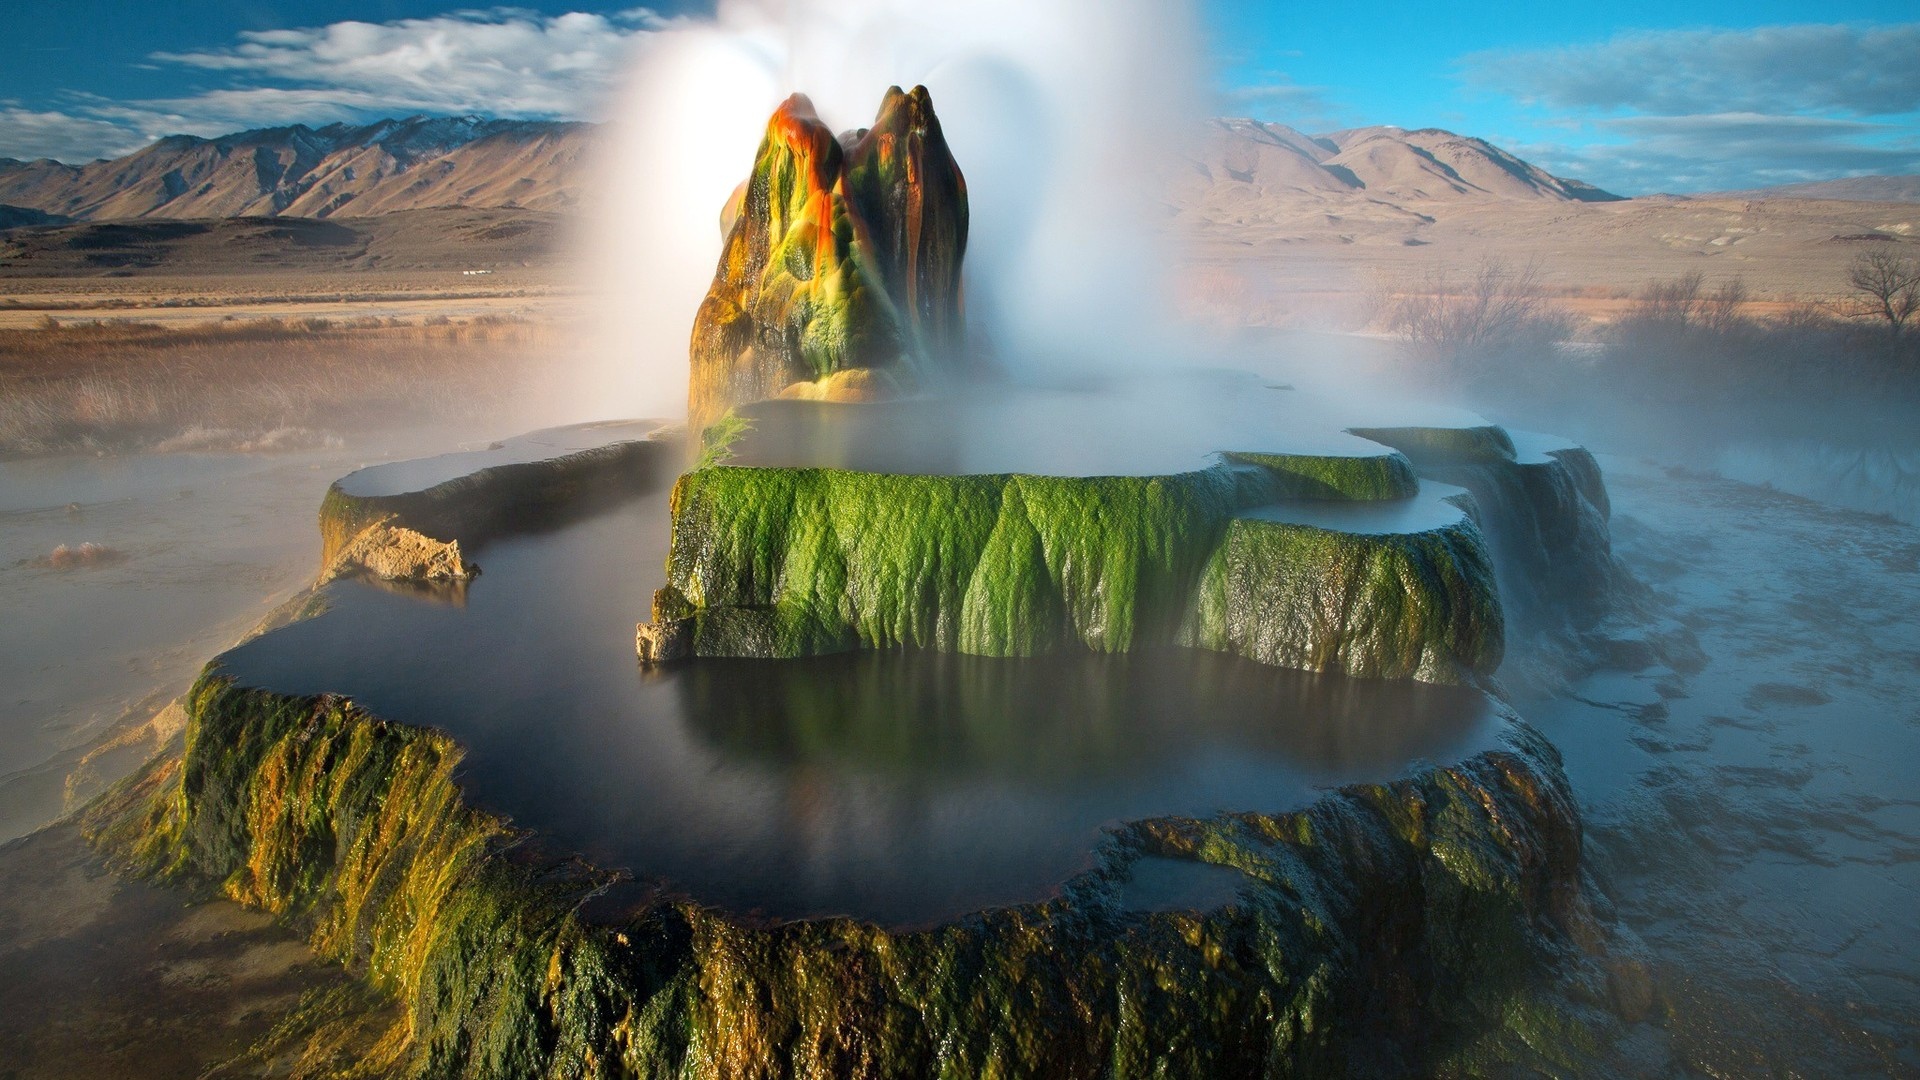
[837, 258]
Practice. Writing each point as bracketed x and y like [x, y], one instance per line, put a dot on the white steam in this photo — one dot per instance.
[1059, 112]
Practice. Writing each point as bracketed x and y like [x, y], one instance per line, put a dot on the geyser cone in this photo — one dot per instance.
[841, 273]
[910, 205]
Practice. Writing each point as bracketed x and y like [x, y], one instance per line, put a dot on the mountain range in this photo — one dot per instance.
[1426, 165]
[1233, 177]
[422, 162]
[338, 170]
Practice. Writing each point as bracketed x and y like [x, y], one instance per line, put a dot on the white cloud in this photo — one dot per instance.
[27, 135]
[1859, 70]
[1692, 110]
[503, 62]
[1277, 97]
[1723, 151]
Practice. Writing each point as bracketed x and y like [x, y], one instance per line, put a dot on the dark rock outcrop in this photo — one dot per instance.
[471, 507]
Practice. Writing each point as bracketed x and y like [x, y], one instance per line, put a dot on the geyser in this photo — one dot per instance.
[1057, 109]
[840, 279]
[994, 730]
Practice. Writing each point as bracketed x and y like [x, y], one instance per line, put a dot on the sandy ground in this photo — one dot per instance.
[1284, 262]
[108, 978]
[1244, 256]
[189, 301]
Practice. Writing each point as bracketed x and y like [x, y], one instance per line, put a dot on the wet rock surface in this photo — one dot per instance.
[1745, 767]
[539, 480]
[1741, 757]
[1419, 911]
[1387, 927]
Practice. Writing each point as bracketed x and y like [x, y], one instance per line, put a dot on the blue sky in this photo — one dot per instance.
[1635, 96]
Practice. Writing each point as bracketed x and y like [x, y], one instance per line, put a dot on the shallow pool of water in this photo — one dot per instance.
[901, 787]
[419, 474]
[1134, 427]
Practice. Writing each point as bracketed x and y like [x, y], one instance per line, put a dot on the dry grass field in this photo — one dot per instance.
[1314, 261]
[262, 333]
[257, 383]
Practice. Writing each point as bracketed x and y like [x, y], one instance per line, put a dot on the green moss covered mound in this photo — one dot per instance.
[1444, 445]
[1321, 476]
[1546, 523]
[795, 562]
[1396, 927]
[1543, 507]
[1409, 605]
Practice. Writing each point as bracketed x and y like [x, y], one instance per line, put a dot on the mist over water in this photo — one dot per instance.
[1057, 111]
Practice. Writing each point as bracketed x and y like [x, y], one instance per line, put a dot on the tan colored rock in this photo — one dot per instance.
[658, 642]
[396, 553]
[852, 384]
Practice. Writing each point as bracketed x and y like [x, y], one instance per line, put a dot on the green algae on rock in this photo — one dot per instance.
[838, 258]
[1438, 445]
[1389, 927]
[801, 561]
[1543, 506]
[1418, 605]
[1372, 478]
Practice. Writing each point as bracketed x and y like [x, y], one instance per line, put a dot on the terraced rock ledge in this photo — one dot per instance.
[1393, 926]
[534, 480]
[1436, 923]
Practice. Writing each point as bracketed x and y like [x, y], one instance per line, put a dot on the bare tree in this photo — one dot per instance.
[1498, 310]
[1673, 300]
[1886, 286]
[1720, 311]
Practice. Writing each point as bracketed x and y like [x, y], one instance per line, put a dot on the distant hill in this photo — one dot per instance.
[422, 162]
[14, 217]
[333, 171]
[1904, 189]
[438, 239]
[1427, 165]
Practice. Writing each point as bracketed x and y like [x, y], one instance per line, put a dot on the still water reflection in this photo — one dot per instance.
[900, 787]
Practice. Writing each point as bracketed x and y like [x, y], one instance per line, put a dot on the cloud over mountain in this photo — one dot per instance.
[1686, 110]
[1863, 71]
[505, 62]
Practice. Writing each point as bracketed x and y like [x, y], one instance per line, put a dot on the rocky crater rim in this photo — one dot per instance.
[1452, 888]
[1137, 427]
[417, 475]
[1094, 846]
[1433, 508]
[1538, 447]
[1255, 934]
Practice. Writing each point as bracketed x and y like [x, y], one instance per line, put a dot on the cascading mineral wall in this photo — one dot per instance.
[1543, 506]
[797, 562]
[1412, 605]
[1389, 928]
[1396, 927]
